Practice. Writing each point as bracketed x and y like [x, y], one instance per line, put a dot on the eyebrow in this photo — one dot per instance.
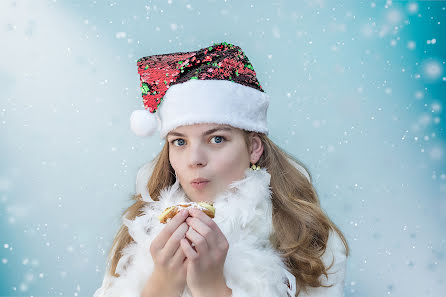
[205, 133]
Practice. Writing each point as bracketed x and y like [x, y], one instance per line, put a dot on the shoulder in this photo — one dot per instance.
[334, 256]
[300, 168]
[335, 252]
[335, 260]
[291, 283]
[142, 178]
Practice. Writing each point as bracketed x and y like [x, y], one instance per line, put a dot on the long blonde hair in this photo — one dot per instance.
[301, 227]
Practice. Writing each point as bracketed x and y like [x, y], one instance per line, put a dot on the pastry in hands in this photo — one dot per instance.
[171, 211]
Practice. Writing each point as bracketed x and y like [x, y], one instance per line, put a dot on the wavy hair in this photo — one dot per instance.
[301, 227]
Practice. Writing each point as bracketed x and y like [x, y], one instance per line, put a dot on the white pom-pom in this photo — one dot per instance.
[143, 122]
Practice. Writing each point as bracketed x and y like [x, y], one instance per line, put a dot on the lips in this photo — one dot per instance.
[199, 180]
[199, 183]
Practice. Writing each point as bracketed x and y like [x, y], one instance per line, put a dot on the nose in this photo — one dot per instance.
[197, 155]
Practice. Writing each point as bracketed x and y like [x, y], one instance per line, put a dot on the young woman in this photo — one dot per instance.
[269, 236]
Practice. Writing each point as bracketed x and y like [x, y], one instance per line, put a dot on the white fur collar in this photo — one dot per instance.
[243, 213]
[137, 272]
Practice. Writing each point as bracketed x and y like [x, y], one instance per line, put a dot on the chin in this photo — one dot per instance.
[201, 196]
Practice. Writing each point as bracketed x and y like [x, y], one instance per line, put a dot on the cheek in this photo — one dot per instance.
[174, 160]
[233, 165]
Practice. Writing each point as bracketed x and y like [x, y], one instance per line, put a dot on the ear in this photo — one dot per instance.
[256, 148]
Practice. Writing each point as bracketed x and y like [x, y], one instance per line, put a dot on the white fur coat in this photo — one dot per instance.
[244, 214]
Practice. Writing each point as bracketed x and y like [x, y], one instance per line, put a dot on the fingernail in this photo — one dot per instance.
[183, 212]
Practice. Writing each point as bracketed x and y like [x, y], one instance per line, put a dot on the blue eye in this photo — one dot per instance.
[217, 137]
[182, 140]
[173, 141]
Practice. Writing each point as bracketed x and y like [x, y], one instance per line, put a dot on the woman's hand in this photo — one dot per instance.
[205, 263]
[169, 274]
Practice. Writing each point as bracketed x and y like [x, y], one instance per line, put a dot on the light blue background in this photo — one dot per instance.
[357, 93]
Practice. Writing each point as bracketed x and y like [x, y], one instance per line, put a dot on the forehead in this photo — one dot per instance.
[199, 129]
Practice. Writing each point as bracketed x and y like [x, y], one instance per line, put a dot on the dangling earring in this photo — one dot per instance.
[254, 167]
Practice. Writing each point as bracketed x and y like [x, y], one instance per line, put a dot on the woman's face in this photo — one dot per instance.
[213, 152]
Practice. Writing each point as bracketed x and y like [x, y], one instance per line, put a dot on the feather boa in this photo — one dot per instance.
[244, 215]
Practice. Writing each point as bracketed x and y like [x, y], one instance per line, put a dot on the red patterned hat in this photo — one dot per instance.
[216, 84]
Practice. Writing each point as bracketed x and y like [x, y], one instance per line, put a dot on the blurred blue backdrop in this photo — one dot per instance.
[357, 88]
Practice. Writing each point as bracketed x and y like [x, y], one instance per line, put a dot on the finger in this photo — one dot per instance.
[196, 213]
[188, 250]
[199, 241]
[179, 257]
[170, 228]
[174, 241]
[204, 230]
[221, 238]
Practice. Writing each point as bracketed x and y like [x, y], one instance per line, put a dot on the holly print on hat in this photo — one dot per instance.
[220, 61]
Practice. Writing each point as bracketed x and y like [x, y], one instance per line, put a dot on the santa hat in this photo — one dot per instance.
[216, 84]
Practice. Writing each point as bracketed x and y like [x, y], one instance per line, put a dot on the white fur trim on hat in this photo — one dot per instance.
[213, 101]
